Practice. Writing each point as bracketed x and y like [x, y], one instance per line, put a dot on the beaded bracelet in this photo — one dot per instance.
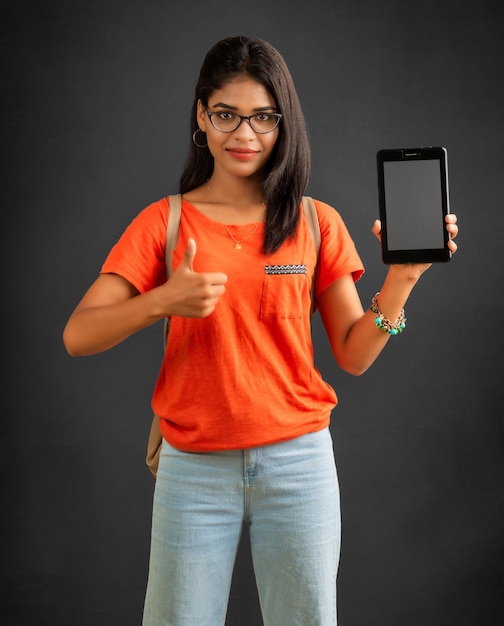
[392, 328]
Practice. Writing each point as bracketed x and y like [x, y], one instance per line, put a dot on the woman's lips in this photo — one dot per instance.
[242, 154]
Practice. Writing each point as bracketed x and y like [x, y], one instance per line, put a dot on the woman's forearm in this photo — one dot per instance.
[364, 340]
[94, 329]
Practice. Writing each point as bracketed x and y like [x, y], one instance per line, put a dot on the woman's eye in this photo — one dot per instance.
[262, 117]
[224, 115]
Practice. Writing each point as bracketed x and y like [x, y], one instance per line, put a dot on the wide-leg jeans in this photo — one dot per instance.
[288, 494]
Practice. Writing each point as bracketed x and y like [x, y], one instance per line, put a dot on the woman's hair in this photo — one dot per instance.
[288, 169]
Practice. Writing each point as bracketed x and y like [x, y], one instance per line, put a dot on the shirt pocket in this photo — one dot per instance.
[283, 294]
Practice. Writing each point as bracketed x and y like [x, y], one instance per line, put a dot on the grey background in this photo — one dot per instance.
[95, 104]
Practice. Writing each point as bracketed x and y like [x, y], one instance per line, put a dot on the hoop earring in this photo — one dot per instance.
[194, 139]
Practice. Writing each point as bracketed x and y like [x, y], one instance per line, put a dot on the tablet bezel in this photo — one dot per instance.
[427, 255]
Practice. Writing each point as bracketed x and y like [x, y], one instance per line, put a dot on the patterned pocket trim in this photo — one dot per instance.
[285, 269]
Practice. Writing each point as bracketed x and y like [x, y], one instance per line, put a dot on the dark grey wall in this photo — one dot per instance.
[95, 102]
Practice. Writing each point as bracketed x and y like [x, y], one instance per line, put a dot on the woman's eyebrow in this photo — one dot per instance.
[223, 105]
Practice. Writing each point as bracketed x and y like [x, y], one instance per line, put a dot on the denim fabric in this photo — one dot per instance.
[288, 493]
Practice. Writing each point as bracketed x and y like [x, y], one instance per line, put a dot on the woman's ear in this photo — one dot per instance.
[201, 116]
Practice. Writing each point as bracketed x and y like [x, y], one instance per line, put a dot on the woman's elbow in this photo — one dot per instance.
[355, 370]
[352, 366]
[70, 343]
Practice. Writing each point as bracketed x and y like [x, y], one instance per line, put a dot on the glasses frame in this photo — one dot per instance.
[241, 119]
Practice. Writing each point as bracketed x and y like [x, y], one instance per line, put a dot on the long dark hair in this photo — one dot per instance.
[289, 166]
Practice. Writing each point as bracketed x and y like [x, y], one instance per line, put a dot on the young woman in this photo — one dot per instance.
[244, 412]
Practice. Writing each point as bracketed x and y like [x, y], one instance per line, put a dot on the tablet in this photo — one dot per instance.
[413, 203]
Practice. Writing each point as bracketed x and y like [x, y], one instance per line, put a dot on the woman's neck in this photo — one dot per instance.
[239, 194]
[237, 202]
[229, 203]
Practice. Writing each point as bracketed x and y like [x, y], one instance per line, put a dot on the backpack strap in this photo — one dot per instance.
[172, 231]
[312, 220]
[314, 227]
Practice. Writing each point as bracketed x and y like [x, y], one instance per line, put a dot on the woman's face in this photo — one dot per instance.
[242, 152]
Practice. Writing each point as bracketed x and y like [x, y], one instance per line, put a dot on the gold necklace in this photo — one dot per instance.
[238, 242]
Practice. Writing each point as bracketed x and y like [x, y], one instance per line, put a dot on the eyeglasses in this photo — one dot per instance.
[227, 122]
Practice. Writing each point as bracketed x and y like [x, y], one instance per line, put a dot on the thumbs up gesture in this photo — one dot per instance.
[192, 294]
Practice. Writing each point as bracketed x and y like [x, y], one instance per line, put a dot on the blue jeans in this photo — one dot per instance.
[288, 493]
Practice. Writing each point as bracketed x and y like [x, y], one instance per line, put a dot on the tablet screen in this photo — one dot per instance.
[414, 205]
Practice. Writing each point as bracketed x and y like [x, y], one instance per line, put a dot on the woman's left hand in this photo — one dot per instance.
[417, 269]
[452, 228]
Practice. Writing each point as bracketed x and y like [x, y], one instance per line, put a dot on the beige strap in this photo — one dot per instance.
[314, 227]
[172, 231]
[312, 221]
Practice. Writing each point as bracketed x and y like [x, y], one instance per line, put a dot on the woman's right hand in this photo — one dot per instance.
[188, 293]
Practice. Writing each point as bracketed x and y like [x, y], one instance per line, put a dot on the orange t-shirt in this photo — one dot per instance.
[244, 376]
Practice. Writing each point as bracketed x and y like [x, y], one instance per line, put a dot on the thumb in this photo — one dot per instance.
[189, 255]
[376, 230]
